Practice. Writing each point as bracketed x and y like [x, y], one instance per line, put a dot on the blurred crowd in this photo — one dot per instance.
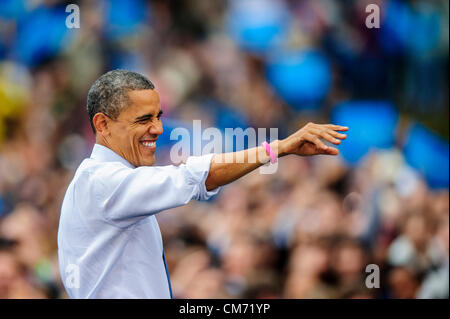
[308, 231]
[312, 233]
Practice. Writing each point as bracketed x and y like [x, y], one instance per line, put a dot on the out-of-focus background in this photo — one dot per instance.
[308, 231]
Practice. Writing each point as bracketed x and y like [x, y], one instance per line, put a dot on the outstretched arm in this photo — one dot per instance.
[226, 168]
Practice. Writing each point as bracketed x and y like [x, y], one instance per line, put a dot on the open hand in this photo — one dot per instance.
[308, 140]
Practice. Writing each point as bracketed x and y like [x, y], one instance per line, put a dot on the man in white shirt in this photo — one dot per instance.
[109, 242]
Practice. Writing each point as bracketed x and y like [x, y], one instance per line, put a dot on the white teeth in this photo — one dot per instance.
[148, 144]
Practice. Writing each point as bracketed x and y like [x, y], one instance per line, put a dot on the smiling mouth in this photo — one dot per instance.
[148, 144]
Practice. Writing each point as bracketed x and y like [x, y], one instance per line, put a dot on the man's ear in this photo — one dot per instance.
[100, 122]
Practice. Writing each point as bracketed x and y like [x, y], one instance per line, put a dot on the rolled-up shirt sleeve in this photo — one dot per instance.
[125, 195]
[199, 166]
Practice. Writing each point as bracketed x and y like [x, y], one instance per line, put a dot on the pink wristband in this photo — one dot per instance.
[273, 157]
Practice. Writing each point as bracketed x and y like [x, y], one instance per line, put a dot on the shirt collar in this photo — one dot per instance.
[105, 154]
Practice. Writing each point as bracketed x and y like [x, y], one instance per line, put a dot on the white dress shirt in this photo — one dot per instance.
[109, 242]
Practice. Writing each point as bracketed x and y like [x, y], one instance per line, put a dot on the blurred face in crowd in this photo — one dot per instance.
[416, 230]
[134, 133]
[240, 258]
[403, 284]
[349, 261]
[8, 273]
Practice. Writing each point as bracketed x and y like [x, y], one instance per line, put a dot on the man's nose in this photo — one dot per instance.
[156, 129]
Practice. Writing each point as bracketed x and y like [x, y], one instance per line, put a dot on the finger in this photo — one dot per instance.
[316, 141]
[336, 134]
[331, 151]
[326, 136]
[337, 127]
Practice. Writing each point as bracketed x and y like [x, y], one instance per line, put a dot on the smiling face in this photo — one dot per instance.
[134, 133]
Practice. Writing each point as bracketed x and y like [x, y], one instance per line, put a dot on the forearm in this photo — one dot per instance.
[228, 167]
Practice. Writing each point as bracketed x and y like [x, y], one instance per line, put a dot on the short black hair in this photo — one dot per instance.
[109, 93]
